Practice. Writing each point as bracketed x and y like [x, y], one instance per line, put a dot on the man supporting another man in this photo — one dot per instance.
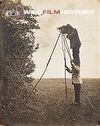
[72, 35]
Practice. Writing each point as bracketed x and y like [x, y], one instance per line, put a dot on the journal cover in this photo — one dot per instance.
[49, 63]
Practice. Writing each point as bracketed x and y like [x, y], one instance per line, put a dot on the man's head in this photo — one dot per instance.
[69, 28]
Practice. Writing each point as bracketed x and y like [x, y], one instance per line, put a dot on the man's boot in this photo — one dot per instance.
[77, 88]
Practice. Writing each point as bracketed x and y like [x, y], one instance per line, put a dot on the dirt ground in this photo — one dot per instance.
[55, 110]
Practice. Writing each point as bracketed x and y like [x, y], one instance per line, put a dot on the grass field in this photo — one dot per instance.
[54, 110]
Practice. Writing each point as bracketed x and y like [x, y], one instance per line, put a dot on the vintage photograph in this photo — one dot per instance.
[49, 63]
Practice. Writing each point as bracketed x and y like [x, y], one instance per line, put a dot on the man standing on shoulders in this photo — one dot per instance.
[72, 35]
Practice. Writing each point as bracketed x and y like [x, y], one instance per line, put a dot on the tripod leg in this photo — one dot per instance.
[65, 83]
[64, 54]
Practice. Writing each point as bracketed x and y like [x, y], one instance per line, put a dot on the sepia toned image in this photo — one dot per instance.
[49, 63]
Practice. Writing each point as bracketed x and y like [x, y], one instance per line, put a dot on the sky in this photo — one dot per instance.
[88, 29]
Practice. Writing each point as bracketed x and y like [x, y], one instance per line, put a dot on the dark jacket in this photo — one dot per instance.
[74, 39]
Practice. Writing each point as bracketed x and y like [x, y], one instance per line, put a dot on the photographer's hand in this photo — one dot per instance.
[68, 69]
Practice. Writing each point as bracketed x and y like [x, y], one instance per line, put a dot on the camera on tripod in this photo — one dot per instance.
[66, 29]
[63, 29]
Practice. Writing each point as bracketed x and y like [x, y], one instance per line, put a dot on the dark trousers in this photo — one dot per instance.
[77, 88]
[76, 56]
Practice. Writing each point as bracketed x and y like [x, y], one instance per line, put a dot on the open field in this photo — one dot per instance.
[54, 110]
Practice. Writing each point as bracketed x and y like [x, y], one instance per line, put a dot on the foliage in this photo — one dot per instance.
[17, 46]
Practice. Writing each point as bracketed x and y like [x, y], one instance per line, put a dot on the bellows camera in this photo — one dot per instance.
[63, 29]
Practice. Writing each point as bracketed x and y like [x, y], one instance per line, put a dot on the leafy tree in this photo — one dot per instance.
[17, 45]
